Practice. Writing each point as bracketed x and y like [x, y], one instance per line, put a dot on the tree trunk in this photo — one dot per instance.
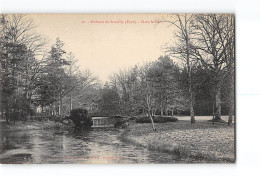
[60, 106]
[161, 108]
[148, 101]
[231, 77]
[213, 113]
[192, 118]
[231, 95]
[230, 114]
[149, 114]
[153, 113]
[70, 104]
[7, 116]
[218, 104]
[54, 110]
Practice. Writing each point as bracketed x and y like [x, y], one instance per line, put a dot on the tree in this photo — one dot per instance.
[56, 82]
[20, 46]
[125, 82]
[211, 49]
[109, 101]
[147, 89]
[86, 92]
[164, 73]
[228, 42]
[182, 50]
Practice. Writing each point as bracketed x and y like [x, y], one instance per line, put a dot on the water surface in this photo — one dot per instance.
[61, 146]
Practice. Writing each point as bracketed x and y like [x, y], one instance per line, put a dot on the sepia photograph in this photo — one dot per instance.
[109, 88]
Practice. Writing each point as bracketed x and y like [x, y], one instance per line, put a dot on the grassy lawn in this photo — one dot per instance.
[202, 140]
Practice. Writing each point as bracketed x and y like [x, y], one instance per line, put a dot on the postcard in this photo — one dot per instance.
[117, 88]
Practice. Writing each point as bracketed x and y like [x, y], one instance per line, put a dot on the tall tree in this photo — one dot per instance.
[147, 89]
[182, 50]
[20, 46]
[125, 82]
[211, 49]
[55, 81]
[86, 93]
[109, 101]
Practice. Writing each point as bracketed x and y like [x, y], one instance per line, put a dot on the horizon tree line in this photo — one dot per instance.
[201, 82]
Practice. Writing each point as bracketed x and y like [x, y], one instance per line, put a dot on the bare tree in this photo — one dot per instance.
[228, 41]
[182, 49]
[212, 36]
[84, 91]
[147, 89]
[19, 29]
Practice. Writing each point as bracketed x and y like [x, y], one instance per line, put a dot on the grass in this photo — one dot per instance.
[156, 119]
[199, 141]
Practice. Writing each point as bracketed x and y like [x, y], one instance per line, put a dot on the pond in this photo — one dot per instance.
[61, 146]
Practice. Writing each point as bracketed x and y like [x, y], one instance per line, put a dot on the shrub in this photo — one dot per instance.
[80, 118]
[122, 123]
[133, 118]
[156, 119]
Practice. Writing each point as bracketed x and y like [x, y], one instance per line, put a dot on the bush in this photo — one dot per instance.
[80, 118]
[156, 119]
[121, 123]
[133, 118]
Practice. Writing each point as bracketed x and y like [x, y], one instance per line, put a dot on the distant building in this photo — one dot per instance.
[39, 109]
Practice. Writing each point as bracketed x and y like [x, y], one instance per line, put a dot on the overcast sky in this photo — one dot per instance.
[103, 47]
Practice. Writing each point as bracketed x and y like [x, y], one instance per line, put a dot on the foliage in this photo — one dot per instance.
[121, 123]
[80, 118]
[19, 66]
[109, 101]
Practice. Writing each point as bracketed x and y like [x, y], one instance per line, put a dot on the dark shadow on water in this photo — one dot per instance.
[21, 158]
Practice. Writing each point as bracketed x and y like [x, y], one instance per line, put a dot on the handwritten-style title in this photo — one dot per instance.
[121, 21]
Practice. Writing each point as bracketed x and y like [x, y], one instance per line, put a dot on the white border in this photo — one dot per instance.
[247, 83]
[117, 6]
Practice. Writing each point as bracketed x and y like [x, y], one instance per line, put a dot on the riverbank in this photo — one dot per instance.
[199, 141]
[34, 125]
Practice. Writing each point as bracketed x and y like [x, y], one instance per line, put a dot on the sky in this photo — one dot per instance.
[105, 43]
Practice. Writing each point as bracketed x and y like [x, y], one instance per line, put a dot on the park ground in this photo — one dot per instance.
[201, 141]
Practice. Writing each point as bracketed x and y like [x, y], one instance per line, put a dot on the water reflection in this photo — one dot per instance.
[77, 146]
